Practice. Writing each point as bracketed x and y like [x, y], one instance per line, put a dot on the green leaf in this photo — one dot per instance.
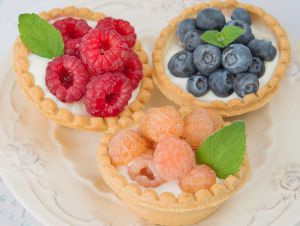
[224, 37]
[224, 151]
[40, 37]
[212, 37]
[232, 33]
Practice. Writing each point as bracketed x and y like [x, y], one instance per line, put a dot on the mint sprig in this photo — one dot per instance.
[222, 38]
[224, 151]
[40, 37]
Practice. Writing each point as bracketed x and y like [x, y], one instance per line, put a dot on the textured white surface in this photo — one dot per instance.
[52, 170]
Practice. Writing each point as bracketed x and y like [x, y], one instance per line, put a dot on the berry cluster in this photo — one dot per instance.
[236, 68]
[162, 148]
[99, 65]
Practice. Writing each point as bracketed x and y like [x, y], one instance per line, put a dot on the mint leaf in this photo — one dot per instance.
[224, 151]
[40, 37]
[212, 37]
[231, 33]
[224, 37]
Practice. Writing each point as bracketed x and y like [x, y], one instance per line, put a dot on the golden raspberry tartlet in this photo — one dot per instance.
[172, 169]
[80, 68]
[223, 55]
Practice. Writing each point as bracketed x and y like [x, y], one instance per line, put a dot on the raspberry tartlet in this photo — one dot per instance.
[172, 169]
[201, 59]
[99, 73]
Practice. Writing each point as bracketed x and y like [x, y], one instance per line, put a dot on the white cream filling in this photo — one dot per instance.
[37, 67]
[259, 30]
[170, 186]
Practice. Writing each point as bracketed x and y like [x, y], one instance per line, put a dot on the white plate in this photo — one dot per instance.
[52, 170]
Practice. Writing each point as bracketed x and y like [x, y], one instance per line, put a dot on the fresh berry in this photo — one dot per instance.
[197, 85]
[72, 30]
[123, 27]
[107, 94]
[143, 172]
[210, 19]
[241, 14]
[133, 69]
[221, 83]
[192, 39]
[103, 50]
[245, 84]
[263, 49]
[181, 64]
[173, 159]
[247, 36]
[125, 146]
[257, 67]
[185, 26]
[66, 78]
[201, 177]
[198, 126]
[236, 58]
[207, 58]
[162, 122]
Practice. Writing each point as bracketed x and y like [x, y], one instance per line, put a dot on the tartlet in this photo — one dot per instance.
[235, 106]
[165, 208]
[48, 107]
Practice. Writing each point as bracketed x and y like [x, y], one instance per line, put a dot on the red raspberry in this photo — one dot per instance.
[72, 30]
[103, 51]
[66, 78]
[123, 27]
[107, 94]
[133, 69]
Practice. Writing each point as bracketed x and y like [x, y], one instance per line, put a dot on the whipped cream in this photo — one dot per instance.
[260, 31]
[170, 186]
[37, 67]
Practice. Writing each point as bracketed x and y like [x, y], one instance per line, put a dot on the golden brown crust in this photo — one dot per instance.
[235, 106]
[62, 116]
[166, 208]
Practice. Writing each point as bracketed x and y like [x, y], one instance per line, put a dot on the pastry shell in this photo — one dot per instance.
[62, 116]
[166, 208]
[237, 106]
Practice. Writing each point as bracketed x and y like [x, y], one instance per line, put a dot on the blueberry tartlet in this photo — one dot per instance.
[227, 56]
[81, 69]
[172, 168]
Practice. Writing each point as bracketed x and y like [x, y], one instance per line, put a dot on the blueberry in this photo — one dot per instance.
[185, 26]
[181, 64]
[197, 85]
[247, 36]
[221, 83]
[236, 58]
[245, 84]
[241, 14]
[207, 58]
[257, 67]
[263, 49]
[191, 40]
[210, 19]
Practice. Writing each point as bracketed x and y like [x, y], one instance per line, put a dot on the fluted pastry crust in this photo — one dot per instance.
[166, 208]
[62, 116]
[235, 106]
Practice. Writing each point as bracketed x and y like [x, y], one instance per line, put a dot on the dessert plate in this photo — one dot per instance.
[53, 171]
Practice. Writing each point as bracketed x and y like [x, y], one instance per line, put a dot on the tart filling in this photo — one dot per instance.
[37, 67]
[259, 29]
[33, 59]
[252, 92]
[173, 170]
